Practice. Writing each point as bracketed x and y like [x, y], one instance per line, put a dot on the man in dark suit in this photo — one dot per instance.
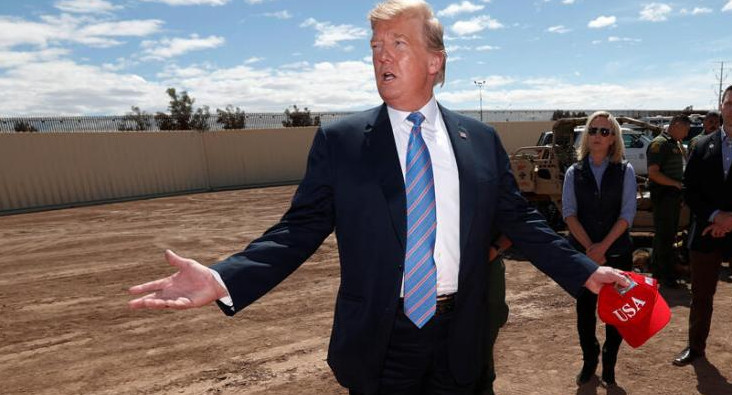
[414, 192]
[708, 192]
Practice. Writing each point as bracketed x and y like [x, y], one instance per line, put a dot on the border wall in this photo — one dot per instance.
[40, 171]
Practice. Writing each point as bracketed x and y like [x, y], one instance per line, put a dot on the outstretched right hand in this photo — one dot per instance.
[191, 286]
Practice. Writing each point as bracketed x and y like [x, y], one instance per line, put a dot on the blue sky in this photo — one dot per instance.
[103, 56]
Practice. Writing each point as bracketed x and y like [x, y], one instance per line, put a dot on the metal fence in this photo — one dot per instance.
[113, 123]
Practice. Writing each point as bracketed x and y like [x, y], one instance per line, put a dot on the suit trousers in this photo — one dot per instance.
[587, 319]
[704, 276]
[416, 360]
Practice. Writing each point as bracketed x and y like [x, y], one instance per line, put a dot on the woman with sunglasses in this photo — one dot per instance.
[598, 205]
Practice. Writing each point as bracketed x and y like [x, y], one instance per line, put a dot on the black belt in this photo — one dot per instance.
[444, 305]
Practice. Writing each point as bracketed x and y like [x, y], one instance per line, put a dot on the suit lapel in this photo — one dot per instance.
[460, 139]
[715, 154]
[381, 154]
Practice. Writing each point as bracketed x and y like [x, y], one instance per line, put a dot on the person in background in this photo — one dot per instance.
[598, 205]
[665, 158]
[709, 195]
[711, 124]
[497, 311]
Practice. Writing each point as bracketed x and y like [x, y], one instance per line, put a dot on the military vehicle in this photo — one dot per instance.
[539, 173]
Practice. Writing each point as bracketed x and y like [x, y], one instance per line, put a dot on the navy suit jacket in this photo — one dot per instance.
[707, 190]
[354, 184]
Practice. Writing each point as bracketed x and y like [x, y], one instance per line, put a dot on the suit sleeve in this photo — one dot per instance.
[268, 260]
[529, 231]
[693, 180]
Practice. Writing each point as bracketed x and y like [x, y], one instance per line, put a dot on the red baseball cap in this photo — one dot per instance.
[637, 311]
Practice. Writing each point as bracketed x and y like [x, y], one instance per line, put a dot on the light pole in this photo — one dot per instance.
[480, 89]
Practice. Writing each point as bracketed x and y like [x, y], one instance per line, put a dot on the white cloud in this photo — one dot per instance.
[615, 39]
[324, 86]
[459, 8]
[485, 48]
[10, 59]
[453, 48]
[284, 14]
[475, 25]
[602, 21]
[560, 29]
[728, 6]
[567, 1]
[549, 93]
[64, 87]
[655, 12]
[189, 2]
[330, 35]
[696, 11]
[86, 6]
[171, 47]
[255, 1]
[253, 59]
[69, 28]
[138, 28]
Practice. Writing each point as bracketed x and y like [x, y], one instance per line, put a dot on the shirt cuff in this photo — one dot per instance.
[714, 214]
[226, 299]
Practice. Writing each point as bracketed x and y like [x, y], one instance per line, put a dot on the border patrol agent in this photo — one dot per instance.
[665, 171]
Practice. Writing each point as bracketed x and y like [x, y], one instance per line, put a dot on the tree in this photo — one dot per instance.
[182, 116]
[136, 120]
[23, 126]
[231, 118]
[298, 117]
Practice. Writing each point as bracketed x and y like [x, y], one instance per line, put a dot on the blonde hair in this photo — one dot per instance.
[616, 150]
[433, 30]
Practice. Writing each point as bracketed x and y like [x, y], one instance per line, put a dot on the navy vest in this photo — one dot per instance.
[598, 211]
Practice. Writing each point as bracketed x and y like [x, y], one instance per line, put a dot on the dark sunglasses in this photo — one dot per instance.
[604, 132]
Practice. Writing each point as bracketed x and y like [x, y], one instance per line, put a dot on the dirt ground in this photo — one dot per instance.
[65, 327]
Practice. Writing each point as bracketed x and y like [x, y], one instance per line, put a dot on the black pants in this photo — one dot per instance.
[704, 277]
[666, 209]
[417, 360]
[587, 320]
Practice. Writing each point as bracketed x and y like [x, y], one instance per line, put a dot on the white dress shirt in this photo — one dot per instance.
[447, 188]
[447, 192]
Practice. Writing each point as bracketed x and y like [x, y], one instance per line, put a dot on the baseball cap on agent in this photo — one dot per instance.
[637, 311]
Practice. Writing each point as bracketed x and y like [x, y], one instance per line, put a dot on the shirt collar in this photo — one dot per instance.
[724, 135]
[429, 110]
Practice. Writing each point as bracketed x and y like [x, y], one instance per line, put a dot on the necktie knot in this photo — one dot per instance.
[416, 118]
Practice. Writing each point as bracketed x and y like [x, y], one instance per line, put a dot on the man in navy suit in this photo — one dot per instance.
[708, 192]
[414, 192]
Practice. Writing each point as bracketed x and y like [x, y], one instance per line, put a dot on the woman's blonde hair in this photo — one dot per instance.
[616, 151]
[433, 31]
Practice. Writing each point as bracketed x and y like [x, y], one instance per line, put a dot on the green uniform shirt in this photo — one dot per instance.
[668, 154]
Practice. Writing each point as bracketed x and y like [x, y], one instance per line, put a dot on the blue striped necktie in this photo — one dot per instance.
[420, 278]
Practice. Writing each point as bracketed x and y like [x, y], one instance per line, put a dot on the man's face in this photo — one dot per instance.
[726, 110]
[710, 124]
[405, 69]
[679, 130]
